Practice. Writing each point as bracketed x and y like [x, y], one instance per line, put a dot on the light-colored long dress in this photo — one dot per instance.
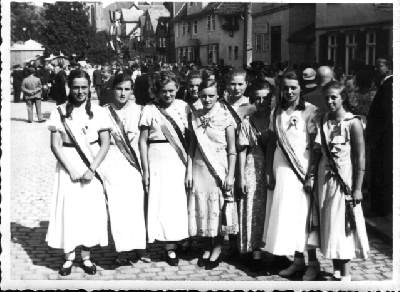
[78, 214]
[167, 202]
[252, 208]
[123, 184]
[285, 229]
[206, 200]
[334, 242]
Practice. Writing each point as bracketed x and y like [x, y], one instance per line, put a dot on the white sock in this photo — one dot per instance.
[336, 274]
[256, 255]
[171, 254]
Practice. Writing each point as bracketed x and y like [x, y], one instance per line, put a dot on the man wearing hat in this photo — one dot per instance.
[32, 89]
[309, 82]
[316, 97]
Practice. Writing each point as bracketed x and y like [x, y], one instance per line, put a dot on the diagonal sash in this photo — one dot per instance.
[124, 146]
[234, 114]
[174, 135]
[350, 223]
[217, 172]
[287, 149]
[78, 148]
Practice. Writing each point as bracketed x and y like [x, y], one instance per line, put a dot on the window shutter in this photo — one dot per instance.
[323, 48]
[382, 43]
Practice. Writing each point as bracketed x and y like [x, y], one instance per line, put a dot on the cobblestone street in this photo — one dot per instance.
[32, 170]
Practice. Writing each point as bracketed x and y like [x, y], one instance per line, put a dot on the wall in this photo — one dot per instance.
[219, 36]
[279, 18]
[328, 15]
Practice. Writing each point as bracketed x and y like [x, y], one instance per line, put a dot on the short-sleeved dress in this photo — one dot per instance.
[123, 184]
[167, 202]
[285, 229]
[252, 208]
[206, 199]
[78, 214]
[331, 199]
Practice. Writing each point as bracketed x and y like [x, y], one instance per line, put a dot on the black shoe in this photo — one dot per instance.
[91, 270]
[201, 262]
[41, 121]
[212, 264]
[171, 261]
[65, 271]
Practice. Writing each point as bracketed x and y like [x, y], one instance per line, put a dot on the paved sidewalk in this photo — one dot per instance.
[32, 171]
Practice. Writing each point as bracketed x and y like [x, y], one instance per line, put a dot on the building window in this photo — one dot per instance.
[183, 28]
[212, 54]
[350, 50]
[236, 52]
[190, 54]
[178, 26]
[370, 47]
[195, 27]
[332, 47]
[191, 4]
[162, 42]
[261, 42]
[230, 53]
[211, 22]
[189, 28]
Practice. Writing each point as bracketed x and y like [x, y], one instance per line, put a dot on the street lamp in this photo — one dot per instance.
[24, 34]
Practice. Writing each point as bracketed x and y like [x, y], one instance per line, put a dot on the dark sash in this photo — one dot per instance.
[234, 114]
[210, 167]
[350, 223]
[287, 149]
[180, 149]
[81, 153]
[125, 148]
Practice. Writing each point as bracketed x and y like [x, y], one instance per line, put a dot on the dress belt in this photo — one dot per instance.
[67, 144]
[157, 141]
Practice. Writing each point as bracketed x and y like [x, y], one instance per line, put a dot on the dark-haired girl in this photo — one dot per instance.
[122, 171]
[252, 144]
[164, 159]
[285, 230]
[340, 139]
[80, 140]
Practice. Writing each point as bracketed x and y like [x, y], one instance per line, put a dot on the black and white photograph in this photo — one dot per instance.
[199, 145]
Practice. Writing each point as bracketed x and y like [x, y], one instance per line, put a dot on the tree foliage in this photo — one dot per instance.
[98, 51]
[67, 28]
[26, 16]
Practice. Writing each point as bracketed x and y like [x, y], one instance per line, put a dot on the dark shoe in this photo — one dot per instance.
[171, 261]
[213, 264]
[91, 270]
[201, 262]
[256, 266]
[65, 271]
[41, 121]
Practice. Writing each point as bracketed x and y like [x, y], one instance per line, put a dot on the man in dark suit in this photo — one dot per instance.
[97, 80]
[379, 141]
[58, 92]
[17, 75]
[106, 93]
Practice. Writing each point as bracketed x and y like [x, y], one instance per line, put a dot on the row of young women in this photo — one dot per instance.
[279, 179]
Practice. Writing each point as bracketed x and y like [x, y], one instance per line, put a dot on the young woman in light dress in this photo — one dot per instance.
[289, 199]
[210, 175]
[78, 215]
[341, 169]
[122, 173]
[163, 127]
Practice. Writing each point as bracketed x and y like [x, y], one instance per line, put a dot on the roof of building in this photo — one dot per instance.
[29, 45]
[220, 8]
[155, 12]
